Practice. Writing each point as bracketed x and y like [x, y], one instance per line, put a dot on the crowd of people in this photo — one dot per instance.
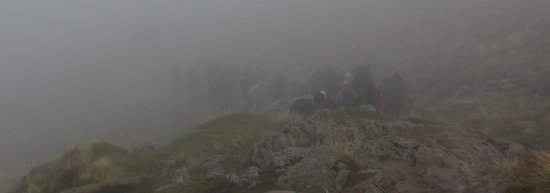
[232, 88]
[351, 90]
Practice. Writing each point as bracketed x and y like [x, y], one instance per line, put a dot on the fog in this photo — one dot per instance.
[75, 71]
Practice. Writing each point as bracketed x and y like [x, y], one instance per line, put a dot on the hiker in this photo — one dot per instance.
[323, 101]
[392, 95]
[298, 88]
[347, 97]
[193, 84]
[364, 85]
[214, 78]
[260, 94]
[176, 82]
[401, 93]
[279, 86]
[307, 106]
[303, 106]
[330, 81]
[227, 84]
[316, 81]
[247, 81]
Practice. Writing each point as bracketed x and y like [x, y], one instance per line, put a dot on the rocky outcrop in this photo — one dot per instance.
[317, 155]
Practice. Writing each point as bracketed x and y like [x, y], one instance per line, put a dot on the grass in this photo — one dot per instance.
[100, 163]
[235, 133]
[522, 120]
[358, 115]
[103, 162]
[267, 182]
[527, 175]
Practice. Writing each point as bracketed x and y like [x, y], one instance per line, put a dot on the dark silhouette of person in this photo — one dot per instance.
[194, 83]
[330, 81]
[347, 97]
[393, 95]
[363, 84]
[279, 86]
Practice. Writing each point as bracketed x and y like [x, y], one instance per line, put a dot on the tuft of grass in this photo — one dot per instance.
[232, 135]
[522, 120]
[421, 120]
[357, 115]
[236, 133]
[99, 163]
[528, 175]
[206, 185]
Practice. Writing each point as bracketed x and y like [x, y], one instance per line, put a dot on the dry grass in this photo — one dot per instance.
[287, 117]
[529, 175]
[343, 149]
[522, 120]
[97, 164]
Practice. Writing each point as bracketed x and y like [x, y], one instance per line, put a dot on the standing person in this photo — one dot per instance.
[298, 88]
[364, 85]
[330, 81]
[214, 78]
[279, 86]
[401, 93]
[316, 81]
[227, 84]
[176, 82]
[260, 94]
[347, 97]
[394, 93]
[247, 81]
[194, 84]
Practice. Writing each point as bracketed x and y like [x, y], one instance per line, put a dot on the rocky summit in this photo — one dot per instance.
[323, 154]
[339, 151]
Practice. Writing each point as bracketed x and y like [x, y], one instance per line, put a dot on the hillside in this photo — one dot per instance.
[341, 151]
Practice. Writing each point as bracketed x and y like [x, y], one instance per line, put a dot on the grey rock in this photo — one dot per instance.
[248, 178]
[168, 162]
[192, 163]
[394, 155]
[82, 189]
[313, 171]
[216, 170]
[280, 191]
[213, 160]
[181, 175]
[366, 188]
[166, 187]
[129, 181]
[342, 179]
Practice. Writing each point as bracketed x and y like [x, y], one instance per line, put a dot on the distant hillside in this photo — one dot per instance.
[496, 45]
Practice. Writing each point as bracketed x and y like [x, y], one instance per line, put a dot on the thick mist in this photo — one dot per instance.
[75, 71]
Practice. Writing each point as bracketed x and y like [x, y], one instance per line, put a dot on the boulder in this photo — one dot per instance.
[82, 189]
[396, 156]
[181, 175]
[280, 191]
[248, 178]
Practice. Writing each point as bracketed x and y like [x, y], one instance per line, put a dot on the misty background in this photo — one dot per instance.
[75, 71]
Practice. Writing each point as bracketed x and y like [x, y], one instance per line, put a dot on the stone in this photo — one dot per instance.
[397, 156]
[166, 187]
[248, 178]
[280, 191]
[181, 175]
[82, 189]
